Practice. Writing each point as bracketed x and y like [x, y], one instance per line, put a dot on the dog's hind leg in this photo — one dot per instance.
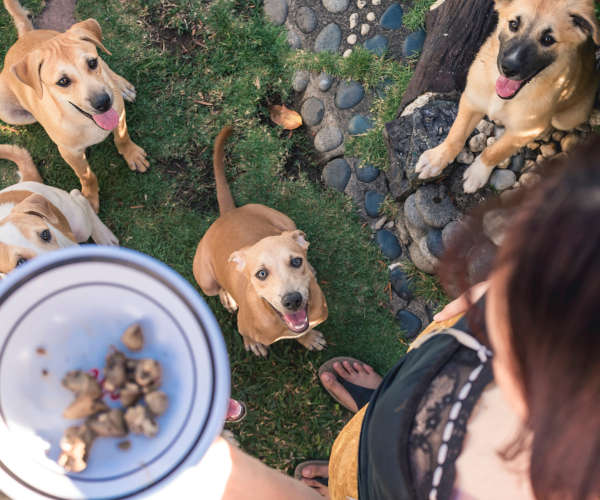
[10, 109]
[27, 169]
[20, 16]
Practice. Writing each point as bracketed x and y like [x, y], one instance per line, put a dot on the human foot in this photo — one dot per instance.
[349, 381]
[314, 473]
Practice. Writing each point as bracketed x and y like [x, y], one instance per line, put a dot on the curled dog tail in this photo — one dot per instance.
[27, 169]
[224, 197]
[20, 16]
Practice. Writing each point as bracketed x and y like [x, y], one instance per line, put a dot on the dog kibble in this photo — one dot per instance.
[157, 402]
[108, 424]
[140, 421]
[124, 445]
[133, 338]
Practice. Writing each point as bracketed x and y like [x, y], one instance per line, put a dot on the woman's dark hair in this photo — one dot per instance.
[551, 243]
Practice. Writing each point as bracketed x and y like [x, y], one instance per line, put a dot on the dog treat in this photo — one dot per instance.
[157, 402]
[115, 371]
[75, 446]
[140, 421]
[133, 338]
[81, 383]
[108, 424]
[124, 445]
[84, 406]
[130, 393]
[41, 351]
[148, 373]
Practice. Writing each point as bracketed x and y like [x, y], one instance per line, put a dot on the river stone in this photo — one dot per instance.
[359, 124]
[329, 39]
[328, 138]
[392, 17]
[451, 232]
[419, 260]
[477, 143]
[517, 162]
[300, 80]
[325, 82]
[336, 174]
[312, 111]
[276, 11]
[306, 19]
[294, 40]
[413, 44]
[412, 214]
[388, 243]
[367, 173]
[435, 206]
[435, 242]
[409, 323]
[336, 6]
[349, 94]
[502, 179]
[377, 45]
[401, 284]
[373, 201]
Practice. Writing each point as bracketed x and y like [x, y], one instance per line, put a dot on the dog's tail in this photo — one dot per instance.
[20, 16]
[224, 197]
[27, 169]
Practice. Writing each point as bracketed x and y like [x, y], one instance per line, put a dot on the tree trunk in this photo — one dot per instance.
[455, 32]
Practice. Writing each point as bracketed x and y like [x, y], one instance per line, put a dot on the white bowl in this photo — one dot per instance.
[74, 304]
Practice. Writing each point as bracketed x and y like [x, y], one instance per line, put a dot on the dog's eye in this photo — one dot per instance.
[514, 24]
[262, 274]
[296, 262]
[64, 82]
[92, 63]
[547, 40]
[46, 235]
[21, 261]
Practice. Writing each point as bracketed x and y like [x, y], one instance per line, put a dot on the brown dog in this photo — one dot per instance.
[254, 258]
[535, 71]
[58, 80]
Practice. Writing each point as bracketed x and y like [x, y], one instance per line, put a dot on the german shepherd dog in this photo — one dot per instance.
[535, 71]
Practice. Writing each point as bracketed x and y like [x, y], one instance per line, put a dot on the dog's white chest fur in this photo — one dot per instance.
[5, 209]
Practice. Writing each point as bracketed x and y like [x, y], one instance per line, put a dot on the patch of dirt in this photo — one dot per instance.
[57, 15]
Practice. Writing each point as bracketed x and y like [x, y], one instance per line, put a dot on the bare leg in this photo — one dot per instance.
[133, 154]
[80, 165]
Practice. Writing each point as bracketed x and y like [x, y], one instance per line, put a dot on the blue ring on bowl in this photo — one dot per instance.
[185, 292]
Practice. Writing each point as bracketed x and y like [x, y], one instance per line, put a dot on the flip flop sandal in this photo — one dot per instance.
[298, 471]
[361, 395]
[240, 416]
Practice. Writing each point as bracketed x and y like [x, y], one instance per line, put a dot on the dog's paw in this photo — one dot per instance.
[104, 236]
[432, 162]
[313, 340]
[136, 158]
[228, 301]
[256, 347]
[128, 92]
[476, 176]
[93, 199]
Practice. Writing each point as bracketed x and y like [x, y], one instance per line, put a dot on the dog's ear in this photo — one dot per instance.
[298, 237]
[89, 31]
[584, 18]
[28, 70]
[36, 204]
[239, 259]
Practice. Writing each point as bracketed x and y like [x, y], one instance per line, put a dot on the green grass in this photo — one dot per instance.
[414, 18]
[197, 67]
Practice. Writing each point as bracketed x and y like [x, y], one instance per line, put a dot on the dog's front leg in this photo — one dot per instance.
[478, 173]
[313, 340]
[89, 183]
[433, 161]
[133, 154]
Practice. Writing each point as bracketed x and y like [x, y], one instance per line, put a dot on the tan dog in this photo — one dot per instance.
[535, 71]
[254, 258]
[35, 218]
[58, 80]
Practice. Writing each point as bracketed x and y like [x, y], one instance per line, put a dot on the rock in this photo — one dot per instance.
[568, 142]
[276, 11]
[409, 323]
[329, 39]
[485, 127]
[389, 225]
[595, 118]
[377, 45]
[306, 19]
[336, 174]
[361, 3]
[499, 132]
[425, 252]
[517, 163]
[434, 204]
[502, 179]
[328, 138]
[371, 16]
[412, 214]
[373, 201]
[529, 179]
[325, 82]
[533, 145]
[477, 143]
[495, 223]
[376, 2]
[435, 242]
[300, 80]
[557, 135]
[490, 141]
[548, 150]
[380, 223]
[359, 124]
[353, 20]
[367, 173]
[401, 284]
[419, 260]
[388, 243]
[347, 53]
[294, 40]
[480, 261]
[349, 94]
[504, 163]
[364, 29]
[336, 6]
[465, 157]
[584, 127]
[392, 17]
[451, 231]
[402, 231]
[312, 111]
[529, 164]
[545, 137]
[352, 39]
[539, 159]
[413, 44]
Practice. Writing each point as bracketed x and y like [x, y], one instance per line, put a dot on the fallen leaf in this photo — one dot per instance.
[285, 117]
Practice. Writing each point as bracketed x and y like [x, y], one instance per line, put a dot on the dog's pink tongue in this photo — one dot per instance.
[297, 319]
[108, 120]
[506, 88]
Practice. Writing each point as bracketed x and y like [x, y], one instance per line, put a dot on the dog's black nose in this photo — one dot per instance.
[101, 102]
[512, 61]
[292, 301]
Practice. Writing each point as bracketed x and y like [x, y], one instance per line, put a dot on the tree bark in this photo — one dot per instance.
[455, 32]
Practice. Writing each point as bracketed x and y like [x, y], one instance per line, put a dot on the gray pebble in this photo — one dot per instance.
[502, 179]
[377, 45]
[312, 111]
[367, 173]
[419, 260]
[485, 127]
[373, 201]
[329, 39]
[325, 82]
[435, 242]
[434, 204]
[336, 6]
[349, 94]
[276, 11]
[328, 138]
[300, 80]
[294, 40]
[306, 19]
[359, 124]
[517, 162]
[413, 216]
[477, 143]
[465, 157]
[392, 17]
[336, 174]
